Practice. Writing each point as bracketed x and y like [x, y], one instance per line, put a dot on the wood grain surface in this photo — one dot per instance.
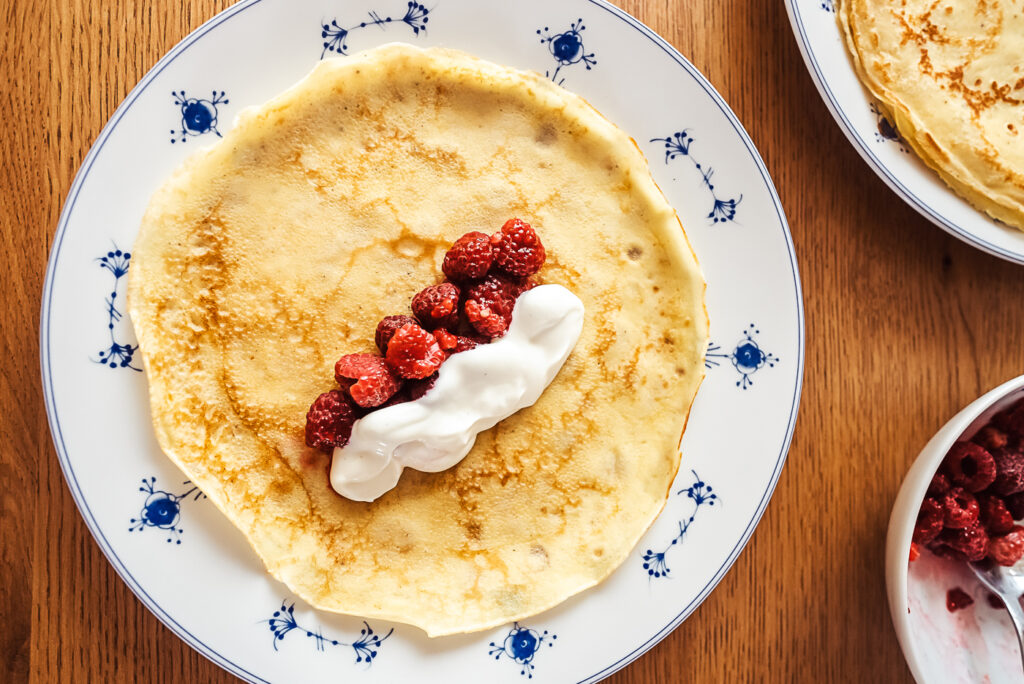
[905, 325]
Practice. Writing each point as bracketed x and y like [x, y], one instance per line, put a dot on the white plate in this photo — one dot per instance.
[817, 33]
[195, 571]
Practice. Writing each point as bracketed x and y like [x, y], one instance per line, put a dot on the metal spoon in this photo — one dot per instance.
[1008, 585]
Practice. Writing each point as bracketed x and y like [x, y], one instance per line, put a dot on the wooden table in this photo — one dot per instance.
[904, 326]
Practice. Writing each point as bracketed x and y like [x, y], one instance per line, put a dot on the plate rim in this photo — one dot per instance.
[47, 378]
[887, 176]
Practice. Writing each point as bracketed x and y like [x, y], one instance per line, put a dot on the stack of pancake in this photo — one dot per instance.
[950, 75]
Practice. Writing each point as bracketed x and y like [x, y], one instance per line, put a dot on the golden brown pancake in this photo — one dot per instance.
[950, 75]
[266, 257]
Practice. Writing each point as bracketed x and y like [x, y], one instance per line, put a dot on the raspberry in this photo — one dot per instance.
[939, 485]
[399, 397]
[465, 343]
[437, 306]
[991, 438]
[972, 542]
[957, 599]
[1015, 504]
[387, 327]
[469, 258]
[498, 286]
[413, 352]
[1012, 419]
[487, 320]
[994, 515]
[960, 508]
[375, 383]
[1009, 548]
[445, 340]
[517, 249]
[1009, 471]
[1015, 421]
[417, 388]
[329, 421]
[453, 344]
[970, 466]
[915, 552]
[489, 303]
[929, 521]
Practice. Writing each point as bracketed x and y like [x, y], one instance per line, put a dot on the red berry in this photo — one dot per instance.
[960, 508]
[387, 327]
[995, 601]
[972, 541]
[939, 485]
[994, 515]
[445, 340]
[1009, 548]
[498, 286]
[413, 352]
[329, 421]
[489, 303]
[957, 599]
[930, 521]
[1009, 471]
[1012, 419]
[488, 320]
[465, 343]
[970, 466]
[517, 249]
[375, 383]
[915, 552]
[437, 306]
[399, 397]
[991, 438]
[469, 258]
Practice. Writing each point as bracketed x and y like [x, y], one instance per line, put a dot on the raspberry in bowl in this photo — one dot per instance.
[959, 503]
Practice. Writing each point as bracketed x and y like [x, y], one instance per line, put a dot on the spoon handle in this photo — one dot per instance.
[1017, 616]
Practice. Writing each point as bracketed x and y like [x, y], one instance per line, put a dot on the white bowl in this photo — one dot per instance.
[971, 645]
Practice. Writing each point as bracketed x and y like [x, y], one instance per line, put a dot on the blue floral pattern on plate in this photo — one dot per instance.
[747, 357]
[700, 493]
[198, 115]
[366, 648]
[566, 48]
[886, 130]
[521, 645]
[334, 35]
[162, 509]
[118, 354]
[678, 145]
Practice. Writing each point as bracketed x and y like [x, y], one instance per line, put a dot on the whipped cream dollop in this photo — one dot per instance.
[474, 390]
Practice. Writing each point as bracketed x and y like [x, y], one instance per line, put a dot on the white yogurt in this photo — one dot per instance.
[474, 390]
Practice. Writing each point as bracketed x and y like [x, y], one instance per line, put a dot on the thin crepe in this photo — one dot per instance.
[266, 257]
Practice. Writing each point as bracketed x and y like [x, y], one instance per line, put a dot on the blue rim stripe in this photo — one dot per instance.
[883, 172]
[54, 421]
